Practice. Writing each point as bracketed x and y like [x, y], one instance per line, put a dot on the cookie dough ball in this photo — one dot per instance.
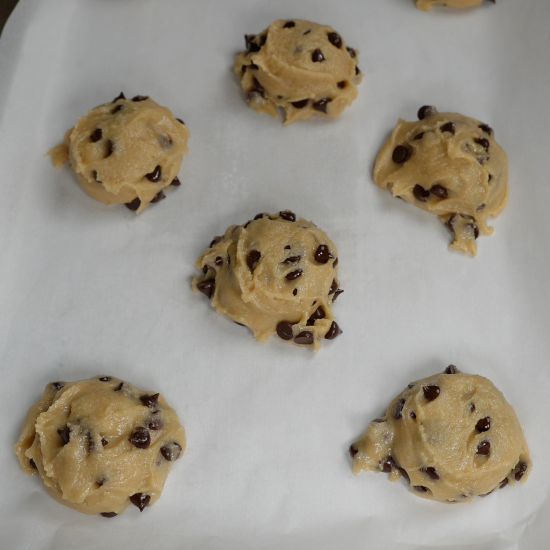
[452, 436]
[101, 444]
[303, 67]
[450, 165]
[126, 151]
[274, 274]
[427, 5]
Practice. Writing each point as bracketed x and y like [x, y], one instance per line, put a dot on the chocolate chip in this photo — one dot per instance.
[474, 228]
[486, 128]
[472, 407]
[483, 424]
[322, 254]
[431, 392]
[140, 438]
[342, 84]
[176, 182]
[421, 489]
[351, 51]
[207, 287]
[426, 111]
[439, 191]
[307, 32]
[404, 473]
[412, 414]
[252, 259]
[109, 514]
[120, 96]
[293, 275]
[158, 197]
[450, 222]
[215, 241]
[484, 143]
[398, 408]
[96, 135]
[299, 104]
[101, 482]
[104, 441]
[484, 448]
[32, 464]
[218, 260]
[321, 105]
[333, 287]
[171, 452]
[251, 46]
[110, 148]
[305, 337]
[154, 175]
[287, 247]
[205, 269]
[352, 451]
[180, 121]
[335, 263]
[294, 292]
[336, 294]
[284, 330]
[134, 205]
[289, 25]
[150, 401]
[519, 470]
[451, 369]
[319, 313]
[117, 109]
[335, 39]
[400, 154]
[155, 423]
[119, 387]
[387, 464]
[418, 136]
[65, 434]
[140, 500]
[57, 385]
[140, 98]
[333, 331]
[503, 483]
[420, 193]
[481, 207]
[258, 87]
[292, 259]
[430, 472]
[261, 215]
[448, 127]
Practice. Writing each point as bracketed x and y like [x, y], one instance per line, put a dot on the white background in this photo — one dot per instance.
[88, 289]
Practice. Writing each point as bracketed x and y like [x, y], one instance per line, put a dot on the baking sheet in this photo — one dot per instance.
[88, 289]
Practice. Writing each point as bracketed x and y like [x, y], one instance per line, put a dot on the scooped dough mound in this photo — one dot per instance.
[126, 151]
[450, 165]
[274, 274]
[303, 67]
[101, 444]
[452, 436]
[427, 5]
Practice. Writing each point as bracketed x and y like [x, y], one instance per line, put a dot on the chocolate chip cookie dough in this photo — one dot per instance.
[450, 165]
[427, 5]
[126, 151]
[274, 274]
[101, 444]
[452, 436]
[303, 67]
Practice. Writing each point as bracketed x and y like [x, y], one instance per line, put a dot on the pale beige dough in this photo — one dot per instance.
[303, 67]
[126, 151]
[427, 5]
[450, 165]
[453, 436]
[274, 274]
[100, 444]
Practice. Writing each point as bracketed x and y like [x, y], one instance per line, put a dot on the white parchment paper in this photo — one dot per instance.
[88, 289]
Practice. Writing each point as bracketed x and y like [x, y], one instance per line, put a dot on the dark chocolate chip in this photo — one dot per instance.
[486, 128]
[110, 148]
[336, 294]
[171, 452]
[484, 448]
[431, 392]
[481, 207]
[207, 287]
[205, 269]
[333, 287]
[474, 228]
[134, 205]
[430, 472]
[218, 260]
[155, 423]
[215, 241]
[421, 489]
[292, 259]
[109, 514]
[293, 275]
[351, 51]
[357, 71]
[252, 259]
[176, 182]
[426, 111]
[412, 414]
[158, 197]
[420, 193]
[96, 135]
[342, 84]
[520, 470]
[32, 464]
[180, 121]
[58, 385]
[451, 369]
[333, 331]
[439, 191]
[404, 473]
[140, 438]
[299, 104]
[251, 46]
[387, 464]
[305, 337]
[319, 313]
[398, 408]
[484, 143]
[261, 215]
[503, 483]
[335, 263]
[284, 330]
[154, 175]
[287, 247]
[140, 500]
[450, 222]
[140, 98]
[289, 25]
[352, 451]
[117, 109]
[119, 387]
[400, 154]
[335, 39]
[101, 482]
[120, 96]
[104, 441]
[418, 136]
[295, 291]
[65, 434]
[448, 127]
[483, 424]
[322, 254]
[472, 407]
[321, 105]
[150, 401]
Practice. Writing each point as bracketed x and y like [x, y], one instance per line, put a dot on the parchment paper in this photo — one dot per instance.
[88, 289]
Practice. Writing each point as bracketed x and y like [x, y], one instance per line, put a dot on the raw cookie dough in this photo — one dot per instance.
[450, 165]
[303, 67]
[452, 436]
[126, 151]
[427, 5]
[274, 274]
[101, 444]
